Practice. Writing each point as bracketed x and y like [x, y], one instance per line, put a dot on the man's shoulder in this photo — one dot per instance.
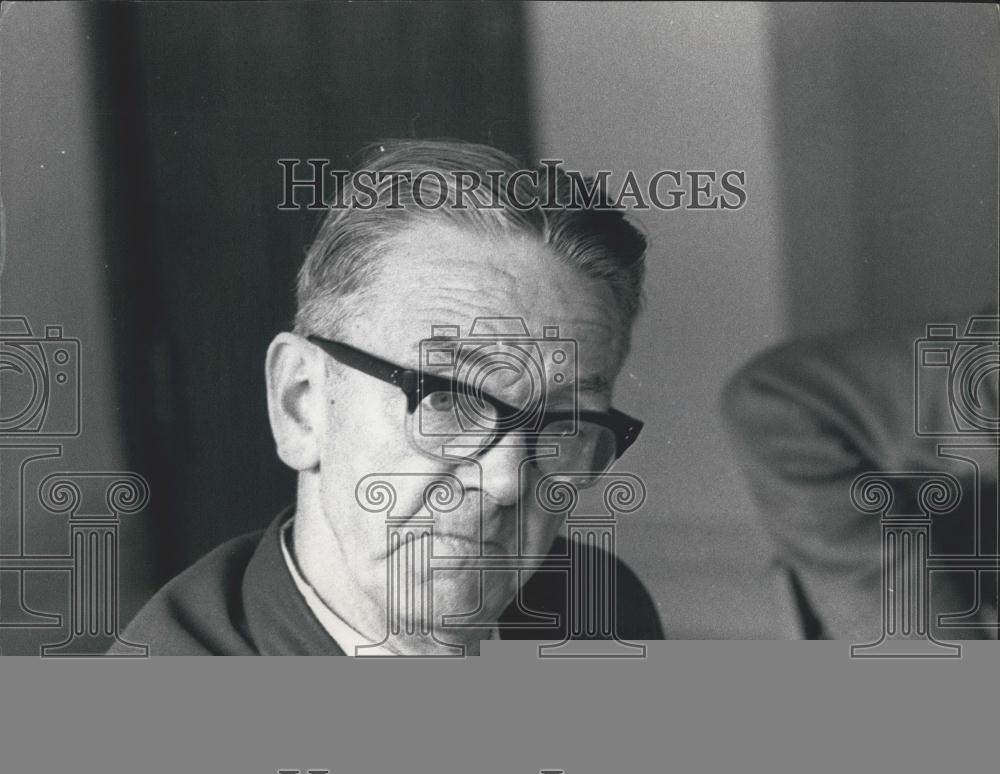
[204, 610]
[200, 612]
[549, 593]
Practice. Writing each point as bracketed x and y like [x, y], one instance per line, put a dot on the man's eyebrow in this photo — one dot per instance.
[594, 384]
[588, 384]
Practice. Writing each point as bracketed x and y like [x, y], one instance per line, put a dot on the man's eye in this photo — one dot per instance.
[441, 401]
[561, 429]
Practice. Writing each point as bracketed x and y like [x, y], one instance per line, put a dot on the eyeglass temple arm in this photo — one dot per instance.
[360, 361]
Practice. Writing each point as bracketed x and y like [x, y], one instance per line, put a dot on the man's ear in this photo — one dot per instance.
[295, 400]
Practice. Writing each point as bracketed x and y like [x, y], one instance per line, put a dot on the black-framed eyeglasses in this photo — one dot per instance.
[444, 412]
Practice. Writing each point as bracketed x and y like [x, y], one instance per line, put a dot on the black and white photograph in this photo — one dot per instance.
[442, 331]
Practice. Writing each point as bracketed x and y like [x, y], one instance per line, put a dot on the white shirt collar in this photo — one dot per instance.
[346, 636]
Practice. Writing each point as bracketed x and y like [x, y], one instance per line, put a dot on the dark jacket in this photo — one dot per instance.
[241, 600]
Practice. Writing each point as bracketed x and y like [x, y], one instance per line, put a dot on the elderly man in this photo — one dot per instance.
[409, 372]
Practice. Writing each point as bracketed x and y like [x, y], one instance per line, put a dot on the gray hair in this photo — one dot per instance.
[341, 262]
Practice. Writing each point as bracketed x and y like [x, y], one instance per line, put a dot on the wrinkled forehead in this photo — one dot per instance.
[439, 282]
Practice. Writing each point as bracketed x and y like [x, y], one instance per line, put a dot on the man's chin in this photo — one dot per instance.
[472, 595]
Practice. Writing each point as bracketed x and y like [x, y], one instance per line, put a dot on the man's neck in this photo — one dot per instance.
[322, 564]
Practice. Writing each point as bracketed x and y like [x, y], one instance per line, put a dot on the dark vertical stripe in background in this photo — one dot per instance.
[138, 309]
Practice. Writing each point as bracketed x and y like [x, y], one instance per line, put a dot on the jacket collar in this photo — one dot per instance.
[279, 620]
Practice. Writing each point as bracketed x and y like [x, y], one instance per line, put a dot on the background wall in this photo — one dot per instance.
[53, 270]
[886, 119]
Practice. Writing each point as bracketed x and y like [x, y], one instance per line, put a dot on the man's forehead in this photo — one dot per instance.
[593, 345]
[439, 281]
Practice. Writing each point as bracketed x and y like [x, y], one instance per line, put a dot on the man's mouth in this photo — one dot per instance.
[454, 544]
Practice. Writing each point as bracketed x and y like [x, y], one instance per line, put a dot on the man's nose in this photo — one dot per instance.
[501, 468]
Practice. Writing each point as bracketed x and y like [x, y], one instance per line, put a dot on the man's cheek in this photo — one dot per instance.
[541, 530]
